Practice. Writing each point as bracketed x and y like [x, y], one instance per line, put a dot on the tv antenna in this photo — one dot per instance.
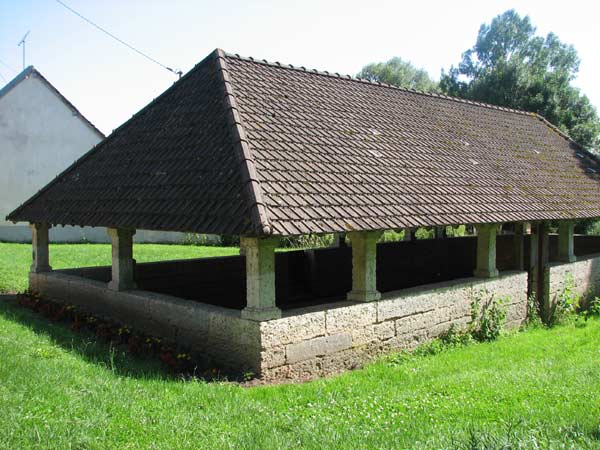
[22, 43]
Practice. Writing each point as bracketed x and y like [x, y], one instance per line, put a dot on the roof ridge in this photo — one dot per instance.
[16, 80]
[249, 174]
[377, 83]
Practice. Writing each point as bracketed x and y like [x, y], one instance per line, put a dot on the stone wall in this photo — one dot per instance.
[306, 342]
[329, 338]
[309, 341]
[584, 275]
[216, 333]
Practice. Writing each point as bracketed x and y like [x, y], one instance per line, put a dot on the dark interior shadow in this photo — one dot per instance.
[595, 282]
[93, 349]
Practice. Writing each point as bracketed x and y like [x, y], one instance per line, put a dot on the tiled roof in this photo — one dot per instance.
[31, 71]
[242, 146]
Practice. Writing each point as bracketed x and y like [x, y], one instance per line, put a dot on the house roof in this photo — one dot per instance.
[240, 146]
[33, 72]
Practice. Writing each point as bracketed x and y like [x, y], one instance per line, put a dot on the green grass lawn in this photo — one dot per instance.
[536, 389]
[15, 259]
[60, 389]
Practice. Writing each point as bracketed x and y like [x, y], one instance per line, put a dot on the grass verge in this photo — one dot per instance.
[536, 389]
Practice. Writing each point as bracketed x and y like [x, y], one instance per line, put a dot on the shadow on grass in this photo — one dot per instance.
[85, 344]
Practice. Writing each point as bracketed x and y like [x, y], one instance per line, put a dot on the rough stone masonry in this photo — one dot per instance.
[305, 342]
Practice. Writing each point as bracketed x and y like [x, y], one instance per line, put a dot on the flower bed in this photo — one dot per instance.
[177, 360]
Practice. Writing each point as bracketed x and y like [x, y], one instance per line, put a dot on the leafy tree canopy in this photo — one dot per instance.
[511, 66]
[399, 73]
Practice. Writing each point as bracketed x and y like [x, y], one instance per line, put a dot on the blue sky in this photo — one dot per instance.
[109, 82]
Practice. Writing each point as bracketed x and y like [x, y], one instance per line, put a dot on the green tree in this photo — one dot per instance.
[511, 66]
[399, 73]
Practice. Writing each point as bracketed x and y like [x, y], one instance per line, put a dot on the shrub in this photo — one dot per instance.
[201, 239]
[307, 241]
[456, 336]
[592, 309]
[564, 304]
[590, 227]
[459, 231]
[392, 236]
[533, 312]
[425, 233]
[487, 316]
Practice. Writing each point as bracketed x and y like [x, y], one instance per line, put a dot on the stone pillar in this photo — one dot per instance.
[566, 251]
[260, 278]
[364, 265]
[123, 264]
[541, 272]
[533, 261]
[519, 245]
[408, 234]
[486, 251]
[39, 242]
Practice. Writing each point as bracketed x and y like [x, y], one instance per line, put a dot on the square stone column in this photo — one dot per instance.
[39, 243]
[364, 266]
[486, 251]
[533, 260]
[540, 280]
[260, 278]
[123, 264]
[566, 252]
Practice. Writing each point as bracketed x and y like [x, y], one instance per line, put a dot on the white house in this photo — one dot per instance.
[41, 134]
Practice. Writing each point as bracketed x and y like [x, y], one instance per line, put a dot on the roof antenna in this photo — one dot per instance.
[22, 42]
[177, 72]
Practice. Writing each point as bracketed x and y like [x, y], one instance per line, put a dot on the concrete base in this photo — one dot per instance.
[40, 269]
[486, 273]
[121, 286]
[305, 342]
[260, 314]
[363, 296]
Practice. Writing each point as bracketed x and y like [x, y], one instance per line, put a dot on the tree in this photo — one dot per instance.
[399, 73]
[510, 66]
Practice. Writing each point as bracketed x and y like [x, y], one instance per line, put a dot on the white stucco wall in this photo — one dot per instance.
[40, 136]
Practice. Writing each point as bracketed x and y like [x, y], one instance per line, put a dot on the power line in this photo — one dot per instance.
[7, 66]
[131, 47]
